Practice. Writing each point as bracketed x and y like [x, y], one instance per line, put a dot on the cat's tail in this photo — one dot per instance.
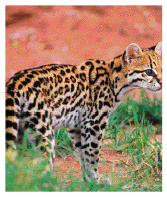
[12, 120]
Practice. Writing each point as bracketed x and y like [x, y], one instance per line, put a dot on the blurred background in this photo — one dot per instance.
[39, 35]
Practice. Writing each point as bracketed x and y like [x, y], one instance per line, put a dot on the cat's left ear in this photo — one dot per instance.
[133, 53]
[158, 48]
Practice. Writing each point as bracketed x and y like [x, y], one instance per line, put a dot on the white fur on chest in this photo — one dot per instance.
[70, 121]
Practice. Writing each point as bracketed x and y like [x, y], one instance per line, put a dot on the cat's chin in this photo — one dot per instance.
[153, 91]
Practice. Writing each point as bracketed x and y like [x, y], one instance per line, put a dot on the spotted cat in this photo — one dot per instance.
[78, 98]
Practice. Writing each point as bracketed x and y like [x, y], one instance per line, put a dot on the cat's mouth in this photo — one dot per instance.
[154, 91]
[160, 82]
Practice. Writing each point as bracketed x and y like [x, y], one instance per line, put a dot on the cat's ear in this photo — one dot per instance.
[158, 48]
[133, 53]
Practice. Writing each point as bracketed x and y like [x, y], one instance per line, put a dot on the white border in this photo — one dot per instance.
[2, 78]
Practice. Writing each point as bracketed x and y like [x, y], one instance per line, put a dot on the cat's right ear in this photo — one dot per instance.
[133, 53]
[158, 48]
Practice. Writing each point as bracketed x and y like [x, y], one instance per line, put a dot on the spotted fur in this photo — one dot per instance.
[78, 98]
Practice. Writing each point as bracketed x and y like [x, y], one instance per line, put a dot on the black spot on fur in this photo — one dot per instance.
[42, 130]
[9, 102]
[82, 67]
[10, 136]
[18, 94]
[38, 114]
[85, 146]
[73, 69]
[92, 132]
[83, 76]
[30, 76]
[73, 79]
[68, 70]
[51, 87]
[11, 124]
[104, 63]
[102, 116]
[10, 113]
[100, 104]
[34, 120]
[87, 153]
[72, 87]
[96, 152]
[43, 118]
[62, 72]
[101, 94]
[88, 63]
[40, 105]
[103, 126]
[87, 137]
[61, 90]
[34, 72]
[96, 128]
[78, 144]
[26, 81]
[67, 80]
[66, 100]
[94, 145]
[32, 105]
[118, 69]
[59, 79]
[100, 136]
[46, 114]
[37, 84]
[95, 115]
[20, 86]
[107, 104]
[111, 64]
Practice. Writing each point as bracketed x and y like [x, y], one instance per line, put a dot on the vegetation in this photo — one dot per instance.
[131, 132]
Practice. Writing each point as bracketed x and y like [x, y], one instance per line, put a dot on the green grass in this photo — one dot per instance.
[63, 143]
[131, 132]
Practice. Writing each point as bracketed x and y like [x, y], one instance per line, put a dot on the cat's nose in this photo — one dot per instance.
[160, 82]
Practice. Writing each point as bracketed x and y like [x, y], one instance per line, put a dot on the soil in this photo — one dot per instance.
[108, 159]
[39, 35]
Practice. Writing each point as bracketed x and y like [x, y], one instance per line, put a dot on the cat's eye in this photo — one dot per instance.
[150, 72]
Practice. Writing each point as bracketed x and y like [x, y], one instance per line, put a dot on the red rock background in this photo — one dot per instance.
[38, 35]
